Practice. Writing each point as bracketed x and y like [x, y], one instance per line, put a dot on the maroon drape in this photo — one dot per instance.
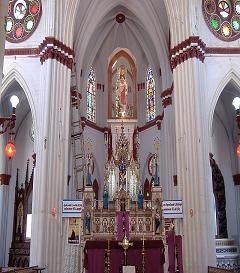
[95, 252]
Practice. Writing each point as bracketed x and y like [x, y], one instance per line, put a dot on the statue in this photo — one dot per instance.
[156, 178]
[89, 177]
[121, 92]
[157, 222]
[140, 198]
[105, 197]
[87, 223]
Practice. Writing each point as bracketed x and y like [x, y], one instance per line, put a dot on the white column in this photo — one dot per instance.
[4, 192]
[193, 171]
[52, 144]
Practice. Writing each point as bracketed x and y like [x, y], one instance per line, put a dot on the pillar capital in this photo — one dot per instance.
[4, 179]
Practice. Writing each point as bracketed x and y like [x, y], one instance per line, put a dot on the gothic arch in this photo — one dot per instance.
[131, 60]
[233, 76]
[15, 74]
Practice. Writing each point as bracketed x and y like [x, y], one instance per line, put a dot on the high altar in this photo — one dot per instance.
[123, 206]
[127, 217]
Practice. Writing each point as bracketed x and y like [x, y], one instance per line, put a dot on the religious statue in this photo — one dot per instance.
[87, 223]
[121, 92]
[105, 197]
[157, 222]
[122, 174]
[156, 177]
[89, 167]
[140, 198]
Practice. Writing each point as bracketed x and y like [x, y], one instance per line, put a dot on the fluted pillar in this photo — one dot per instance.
[194, 177]
[4, 193]
[52, 144]
[168, 152]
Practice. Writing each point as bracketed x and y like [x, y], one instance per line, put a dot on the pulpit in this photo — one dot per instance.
[96, 252]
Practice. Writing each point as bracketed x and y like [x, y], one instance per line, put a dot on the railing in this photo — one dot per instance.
[220, 270]
[33, 269]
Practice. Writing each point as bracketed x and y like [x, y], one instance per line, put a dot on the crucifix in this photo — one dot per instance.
[125, 244]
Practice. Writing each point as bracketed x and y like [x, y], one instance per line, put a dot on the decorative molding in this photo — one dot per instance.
[193, 47]
[5, 179]
[157, 121]
[236, 179]
[52, 48]
[22, 51]
[166, 96]
[222, 50]
[120, 18]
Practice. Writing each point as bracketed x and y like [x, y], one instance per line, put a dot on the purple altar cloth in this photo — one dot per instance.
[95, 253]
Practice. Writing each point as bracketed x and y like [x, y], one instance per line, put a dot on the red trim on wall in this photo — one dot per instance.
[86, 122]
[166, 96]
[21, 51]
[157, 121]
[4, 179]
[222, 50]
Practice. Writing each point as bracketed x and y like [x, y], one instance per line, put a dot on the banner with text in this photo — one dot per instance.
[172, 209]
[71, 208]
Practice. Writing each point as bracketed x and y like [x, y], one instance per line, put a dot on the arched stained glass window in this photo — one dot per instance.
[150, 84]
[223, 18]
[91, 96]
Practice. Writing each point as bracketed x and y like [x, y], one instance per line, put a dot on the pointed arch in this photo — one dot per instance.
[16, 74]
[125, 54]
[233, 76]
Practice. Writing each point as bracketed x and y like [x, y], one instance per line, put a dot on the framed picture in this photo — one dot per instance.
[129, 269]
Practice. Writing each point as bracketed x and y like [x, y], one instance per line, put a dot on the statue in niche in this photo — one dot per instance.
[89, 170]
[157, 222]
[140, 198]
[121, 103]
[87, 223]
[105, 197]
[122, 174]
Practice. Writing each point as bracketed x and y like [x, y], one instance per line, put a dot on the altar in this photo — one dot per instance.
[108, 256]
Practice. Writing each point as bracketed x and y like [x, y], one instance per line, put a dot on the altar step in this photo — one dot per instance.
[227, 254]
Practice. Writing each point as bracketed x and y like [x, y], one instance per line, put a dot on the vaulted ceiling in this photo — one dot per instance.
[144, 32]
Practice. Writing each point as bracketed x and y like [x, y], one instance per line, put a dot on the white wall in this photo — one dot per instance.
[97, 140]
[147, 138]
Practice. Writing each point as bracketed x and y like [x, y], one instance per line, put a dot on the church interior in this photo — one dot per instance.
[120, 136]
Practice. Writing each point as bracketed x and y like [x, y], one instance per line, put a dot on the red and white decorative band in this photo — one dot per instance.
[167, 97]
[190, 48]
[52, 48]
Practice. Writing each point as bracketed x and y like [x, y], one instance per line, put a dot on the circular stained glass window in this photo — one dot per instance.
[223, 18]
[22, 20]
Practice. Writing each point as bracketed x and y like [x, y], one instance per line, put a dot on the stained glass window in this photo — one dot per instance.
[22, 20]
[150, 84]
[91, 96]
[223, 18]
